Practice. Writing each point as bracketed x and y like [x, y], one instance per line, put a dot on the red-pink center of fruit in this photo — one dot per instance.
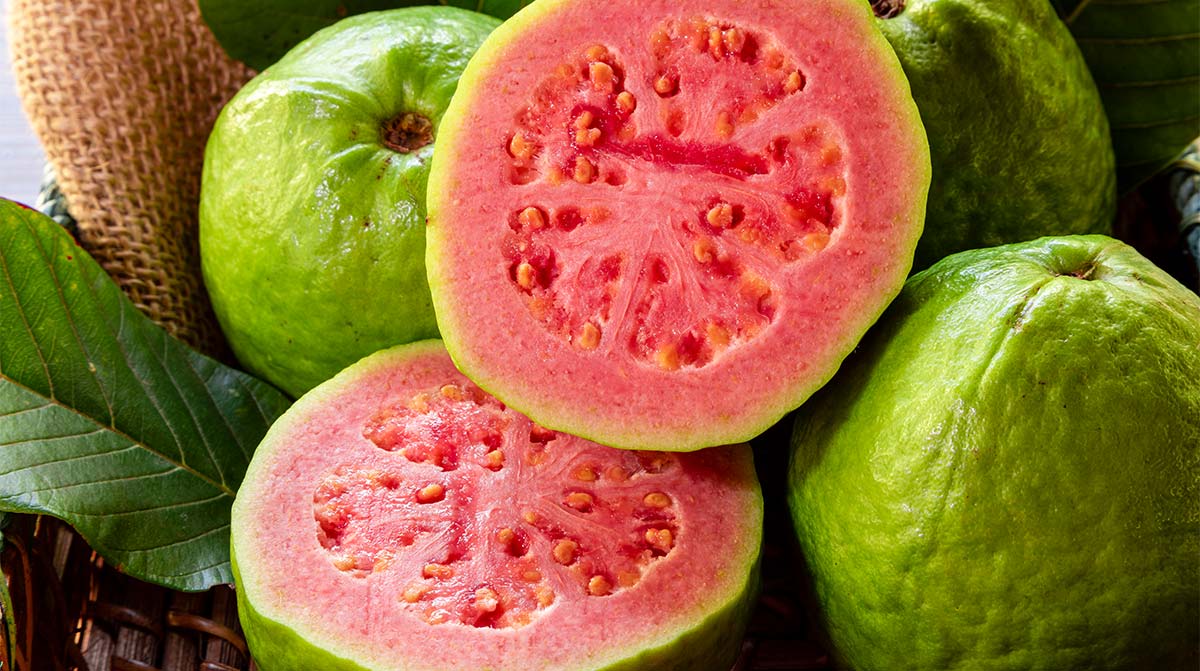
[492, 523]
[696, 278]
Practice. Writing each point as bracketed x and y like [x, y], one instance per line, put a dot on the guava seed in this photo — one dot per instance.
[585, 170]
[414, 592]
[794, 82]
[735, 41]
[657, 500]
[720, 215]
[589, 337]
[526, 276]
[602, 77]
[724, 126]
[431, 493]
[486, 600]
[532, 218]
[494, 460]
[539, 434]
[626, 103]
[581, 501]
[588, 137]
[564, 552]
[599, 586]
[439, 571]
[666, 85]
[703, 250]
[660, 539]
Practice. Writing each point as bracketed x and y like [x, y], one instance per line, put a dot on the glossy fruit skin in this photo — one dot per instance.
[1019, 140]
[312, 231]
[1004, 476]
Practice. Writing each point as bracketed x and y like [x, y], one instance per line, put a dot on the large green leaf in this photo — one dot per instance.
[1145, 57]
[109, 423]
[260, 32]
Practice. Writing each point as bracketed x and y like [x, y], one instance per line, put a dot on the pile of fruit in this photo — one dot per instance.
[536, 284]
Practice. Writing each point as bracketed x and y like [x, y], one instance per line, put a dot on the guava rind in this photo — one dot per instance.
[656, 428]
[1017, 132]
[1004, 476]
[311, 230]
[712, 640]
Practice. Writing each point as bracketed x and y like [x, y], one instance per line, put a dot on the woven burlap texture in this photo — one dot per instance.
[122, 96]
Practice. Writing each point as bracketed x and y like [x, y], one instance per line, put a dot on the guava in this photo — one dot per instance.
[662, 225]
[1017, 131]
[400, 518]
[1005, 475]
[1143, 56]
[312, 204]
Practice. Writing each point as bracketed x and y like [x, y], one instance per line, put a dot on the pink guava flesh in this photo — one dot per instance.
[402, 518]
[664, 223]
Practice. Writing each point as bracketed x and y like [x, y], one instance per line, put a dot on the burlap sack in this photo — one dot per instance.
[122, 96]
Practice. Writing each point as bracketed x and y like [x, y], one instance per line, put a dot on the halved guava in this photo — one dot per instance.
[398, 517]
[662, 225]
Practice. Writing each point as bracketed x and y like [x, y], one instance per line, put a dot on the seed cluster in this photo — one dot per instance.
[610, 133]
[375, 522]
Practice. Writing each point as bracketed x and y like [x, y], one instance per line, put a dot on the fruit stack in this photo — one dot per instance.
[535, 286]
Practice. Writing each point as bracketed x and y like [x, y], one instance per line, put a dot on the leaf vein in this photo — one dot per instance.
[25, 320]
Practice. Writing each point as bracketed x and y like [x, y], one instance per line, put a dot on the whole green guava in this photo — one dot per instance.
[1018, 138]
[1005, 474]
[312, 205]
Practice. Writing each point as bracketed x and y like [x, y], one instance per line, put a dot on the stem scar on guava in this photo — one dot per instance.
[407, 132]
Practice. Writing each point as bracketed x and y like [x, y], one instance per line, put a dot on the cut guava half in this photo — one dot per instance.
[662, 225]
[400, 518]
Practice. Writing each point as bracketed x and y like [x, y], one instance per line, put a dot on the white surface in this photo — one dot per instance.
[21, 156]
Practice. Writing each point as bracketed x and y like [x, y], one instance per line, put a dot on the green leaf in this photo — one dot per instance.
[1145, 57]
[260, 32]
[109, 423]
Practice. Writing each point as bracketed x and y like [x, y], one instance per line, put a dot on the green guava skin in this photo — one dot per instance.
[1018, 137]
[1006, 474]
[312, 231]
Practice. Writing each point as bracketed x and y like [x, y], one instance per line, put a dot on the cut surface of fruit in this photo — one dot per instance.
[665, 199]
[400, 517]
